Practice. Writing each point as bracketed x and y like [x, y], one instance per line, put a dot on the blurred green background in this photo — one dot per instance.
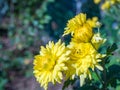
[25, 25]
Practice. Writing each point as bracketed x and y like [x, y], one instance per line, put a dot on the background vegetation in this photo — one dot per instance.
[27, 24]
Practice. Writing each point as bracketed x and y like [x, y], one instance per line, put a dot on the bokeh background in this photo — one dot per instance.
[25, 25]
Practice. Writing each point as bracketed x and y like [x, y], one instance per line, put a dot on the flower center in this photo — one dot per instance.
[47, 63]
[80, 50]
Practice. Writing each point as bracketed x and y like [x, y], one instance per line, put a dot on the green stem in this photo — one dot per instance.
[95, 69]
[104, 84]
[96, 72]
[104, 75]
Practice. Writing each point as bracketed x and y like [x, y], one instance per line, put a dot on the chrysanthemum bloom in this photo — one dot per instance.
[97, 40]
[70, 73]
[97, 1]
[50, 63]
[84, 57]
[105, 5]
[81, 28]
[112, 2]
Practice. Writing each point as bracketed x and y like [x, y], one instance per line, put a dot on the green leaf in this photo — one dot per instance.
[112, 48]
[113, 75]
[106, 59]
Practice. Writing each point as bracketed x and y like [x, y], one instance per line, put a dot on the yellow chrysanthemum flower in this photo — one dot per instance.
[108, 3]
[97, 40]
[114, 2]
[105, 5]
[50, 63]
[83, 35]
[93, 22]
[84, 57]
[70, 73]
[80, 28]
[97, 1]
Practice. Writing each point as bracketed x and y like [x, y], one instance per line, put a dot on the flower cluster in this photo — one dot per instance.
[75, 59]
[107, 3]
[83, 46]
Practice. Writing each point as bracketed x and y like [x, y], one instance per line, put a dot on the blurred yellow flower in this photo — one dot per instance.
[50, 63]
[105, 5]
[108, 3]
[97, 1]
[80, 28]
[113, 1]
